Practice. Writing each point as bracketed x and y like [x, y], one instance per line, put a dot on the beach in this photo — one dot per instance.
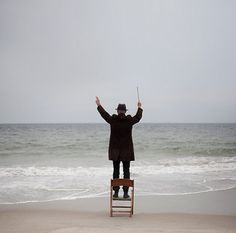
[204, 212]
[54, 178]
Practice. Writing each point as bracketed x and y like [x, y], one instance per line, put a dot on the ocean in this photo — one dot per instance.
[45, 162]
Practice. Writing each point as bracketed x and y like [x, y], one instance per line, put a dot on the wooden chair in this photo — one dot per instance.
[115, 203]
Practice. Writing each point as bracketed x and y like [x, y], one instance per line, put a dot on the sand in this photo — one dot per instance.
[206, 212]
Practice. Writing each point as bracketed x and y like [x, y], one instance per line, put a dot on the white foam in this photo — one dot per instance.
[163, 177]
[54, 171]
[179, 165]
[187, 165]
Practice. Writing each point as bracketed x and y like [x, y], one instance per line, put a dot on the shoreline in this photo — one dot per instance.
[212, 212]
[221, 202]
[139, 196]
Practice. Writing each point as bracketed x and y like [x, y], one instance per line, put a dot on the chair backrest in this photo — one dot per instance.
[122, 182]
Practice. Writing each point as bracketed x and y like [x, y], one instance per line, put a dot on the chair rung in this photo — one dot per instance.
[120, 211]
[121, 206]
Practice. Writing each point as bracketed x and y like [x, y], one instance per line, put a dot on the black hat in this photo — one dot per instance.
[121, 107]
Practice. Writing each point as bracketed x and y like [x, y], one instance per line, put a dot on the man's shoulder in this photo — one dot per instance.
[115, 116]
[125, 117]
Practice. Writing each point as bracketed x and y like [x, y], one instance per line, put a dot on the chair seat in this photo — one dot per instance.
[121, 199]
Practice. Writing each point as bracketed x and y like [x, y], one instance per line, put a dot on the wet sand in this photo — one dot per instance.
[205, 212]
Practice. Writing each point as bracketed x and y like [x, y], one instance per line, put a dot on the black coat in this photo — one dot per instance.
[121, 144]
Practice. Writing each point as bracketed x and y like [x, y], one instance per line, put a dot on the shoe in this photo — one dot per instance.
[126, 195]
[115, 195]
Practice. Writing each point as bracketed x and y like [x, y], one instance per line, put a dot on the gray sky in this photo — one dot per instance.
[56, 56]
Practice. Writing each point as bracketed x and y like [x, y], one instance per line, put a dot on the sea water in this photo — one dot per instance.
[44, 162]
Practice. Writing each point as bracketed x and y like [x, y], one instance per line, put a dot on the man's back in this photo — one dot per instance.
[121, 126]
[121, 143]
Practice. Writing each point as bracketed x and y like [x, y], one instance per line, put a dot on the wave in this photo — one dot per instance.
[188, 165]
[184, 165]
[40, 184]
[53, 171]
[217, 151]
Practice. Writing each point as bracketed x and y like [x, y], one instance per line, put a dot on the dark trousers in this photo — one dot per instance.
[116, 173]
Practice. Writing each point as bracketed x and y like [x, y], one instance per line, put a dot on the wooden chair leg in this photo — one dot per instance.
[132, 202]
[111, 202]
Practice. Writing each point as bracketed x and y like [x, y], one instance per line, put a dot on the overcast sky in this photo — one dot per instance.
[56, 56]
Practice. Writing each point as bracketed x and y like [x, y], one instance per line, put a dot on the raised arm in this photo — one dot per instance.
[138, 115]
[105, 115]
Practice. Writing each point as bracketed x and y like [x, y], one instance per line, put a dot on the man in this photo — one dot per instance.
[121, 144]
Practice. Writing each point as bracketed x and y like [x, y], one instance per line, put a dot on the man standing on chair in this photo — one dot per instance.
[121, 144]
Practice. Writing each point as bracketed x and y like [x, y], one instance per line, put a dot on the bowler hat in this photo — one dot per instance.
[121, 107]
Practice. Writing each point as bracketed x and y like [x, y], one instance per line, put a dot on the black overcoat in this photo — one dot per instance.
[121, 144]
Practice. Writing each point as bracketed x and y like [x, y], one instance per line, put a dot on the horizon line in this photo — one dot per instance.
[47, 123]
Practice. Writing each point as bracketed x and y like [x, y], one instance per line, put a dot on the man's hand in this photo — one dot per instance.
[98, 101]
[139, 104]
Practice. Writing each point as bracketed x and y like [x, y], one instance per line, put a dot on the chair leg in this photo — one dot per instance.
[132, 201]
[111, 202]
